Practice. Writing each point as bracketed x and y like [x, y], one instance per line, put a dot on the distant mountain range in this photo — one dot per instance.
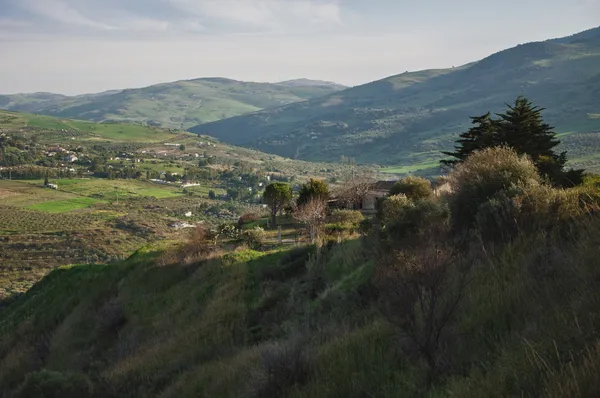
[408, 118]
[181, 104]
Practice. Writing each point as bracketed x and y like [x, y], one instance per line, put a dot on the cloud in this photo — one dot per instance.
[62, 12]
[273, 15]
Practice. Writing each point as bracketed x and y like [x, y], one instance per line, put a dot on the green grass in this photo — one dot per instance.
[62, 206]
[103, 188]
[425, 166]
[119, 132]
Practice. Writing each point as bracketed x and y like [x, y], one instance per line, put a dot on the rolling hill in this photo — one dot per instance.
[179, 104]
[408, 118]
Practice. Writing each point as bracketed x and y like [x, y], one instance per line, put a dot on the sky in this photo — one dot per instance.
[83, 46]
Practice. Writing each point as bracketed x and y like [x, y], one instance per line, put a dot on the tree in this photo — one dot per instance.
[46, 180]
[182, 147]
[481, 135]
[313, 189]
[522, 128]
[312, 214]
[415, 188]
[212, 195]
[276, 196]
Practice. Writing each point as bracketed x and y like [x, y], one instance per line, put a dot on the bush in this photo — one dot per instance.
[50, 384]
[415, 188]
[247, 218]
[347, 216]
[393, 208]
[254, 238]
[423, 217]
[482, 176]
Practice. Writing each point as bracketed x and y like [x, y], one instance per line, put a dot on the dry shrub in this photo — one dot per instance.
[200, 246]
[247, 218]
[420, 292]
[282, 366]
[482, 176]
[415, 188]
[538, 208]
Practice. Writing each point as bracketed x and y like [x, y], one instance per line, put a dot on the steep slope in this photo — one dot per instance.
[180, 104]
[302, 324]
[409, 118]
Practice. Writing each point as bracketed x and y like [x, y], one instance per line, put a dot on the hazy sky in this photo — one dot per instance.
[78, 46]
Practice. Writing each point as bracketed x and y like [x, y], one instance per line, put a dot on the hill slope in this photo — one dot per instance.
[179, 104]
[299, 324]
[408, 118]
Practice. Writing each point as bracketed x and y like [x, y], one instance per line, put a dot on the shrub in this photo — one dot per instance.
[254, 238]
[346, 216]
[394, 207]
[484, 174]
[247, 218]
[51, 384]
[423, 217]
[415, 188]
[282, 366]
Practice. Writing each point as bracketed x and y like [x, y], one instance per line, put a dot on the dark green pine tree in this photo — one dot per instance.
[481, 135]
[523, 128]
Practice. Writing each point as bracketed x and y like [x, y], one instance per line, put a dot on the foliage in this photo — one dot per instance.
[415, 188]
[521, 128]
[277, 195]
[313, 189]
[254, 237]
[394, 207]
[51, 384]
[346, 216]
[247, 218]
[484, 174]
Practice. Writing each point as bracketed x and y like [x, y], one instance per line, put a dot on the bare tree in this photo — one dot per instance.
[312, 214]
[354, 189]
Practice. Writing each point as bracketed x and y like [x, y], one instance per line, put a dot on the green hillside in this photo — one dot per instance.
[180, 104]
[405, 120]
[59, 129]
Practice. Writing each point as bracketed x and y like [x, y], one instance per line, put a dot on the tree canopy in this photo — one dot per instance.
[522, 128]
[277, 195]
[313, 189]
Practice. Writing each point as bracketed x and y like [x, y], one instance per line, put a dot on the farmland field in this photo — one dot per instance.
[113, 189]
[92, 131]
[62, 206]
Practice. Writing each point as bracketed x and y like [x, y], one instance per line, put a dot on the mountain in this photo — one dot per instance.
[180, 104]
[408, 118]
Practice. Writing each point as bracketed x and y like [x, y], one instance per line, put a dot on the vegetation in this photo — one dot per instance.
[313, 189]
[406, 120]
[277, 195]
[415, 188]
[177, 105]
[433, 311]
[522, 129]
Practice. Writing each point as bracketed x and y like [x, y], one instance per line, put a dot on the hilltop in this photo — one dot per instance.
[180, 104]
[407, 119]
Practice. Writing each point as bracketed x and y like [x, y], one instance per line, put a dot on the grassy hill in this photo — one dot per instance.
[180, 104]
[405, 120]
[60, 129]
[299, 324]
